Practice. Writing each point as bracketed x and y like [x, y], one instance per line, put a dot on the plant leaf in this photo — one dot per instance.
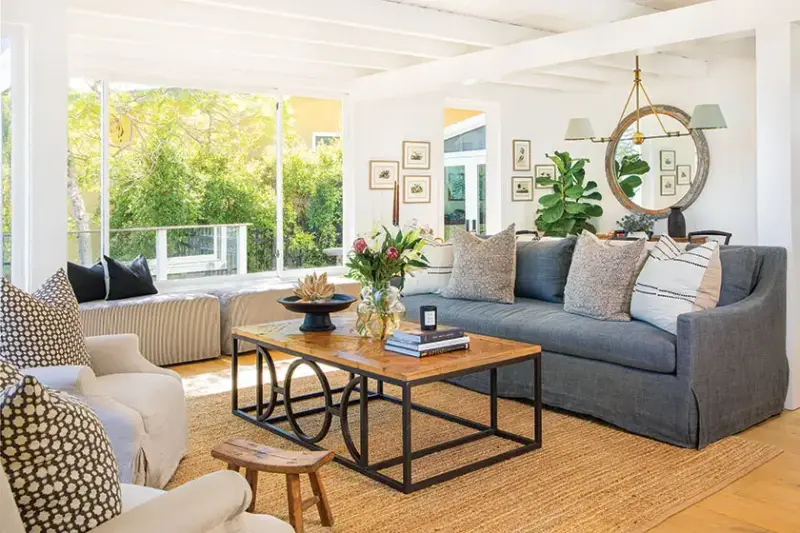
[574, 208]
[554, 213]
[549, 200]
[576, 191]
[593, 196]
[594, 211]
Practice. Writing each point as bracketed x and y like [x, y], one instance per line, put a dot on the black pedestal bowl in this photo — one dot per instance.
[318, 314]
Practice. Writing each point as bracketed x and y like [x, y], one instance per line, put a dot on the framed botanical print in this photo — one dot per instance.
[522, 189]
[383, 174]
[416, 189]
[546, 172]
[416, 155]
[522, 155]
[667, 185]
[684, 174]
[668, 160]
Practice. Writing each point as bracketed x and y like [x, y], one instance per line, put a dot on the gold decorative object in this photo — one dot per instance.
[705, 117]
[314, 288]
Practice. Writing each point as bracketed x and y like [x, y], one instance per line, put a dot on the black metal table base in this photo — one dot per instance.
[261, 414]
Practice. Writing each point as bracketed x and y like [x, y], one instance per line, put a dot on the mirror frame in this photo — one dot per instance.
[700, 175]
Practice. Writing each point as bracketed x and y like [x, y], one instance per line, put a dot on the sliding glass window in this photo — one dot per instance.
[194, 182]
[312, 182]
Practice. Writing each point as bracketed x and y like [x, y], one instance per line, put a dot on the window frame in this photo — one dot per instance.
[279, 273]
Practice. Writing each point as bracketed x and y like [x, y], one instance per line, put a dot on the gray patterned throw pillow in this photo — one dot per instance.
[58, 460]
[601, 278]
[484, 269]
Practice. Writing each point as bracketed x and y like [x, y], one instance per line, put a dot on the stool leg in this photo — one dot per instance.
[233, 467]
[252, 479]
[295, 502]
[323, 505]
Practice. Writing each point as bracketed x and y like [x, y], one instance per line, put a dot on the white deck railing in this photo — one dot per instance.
[177, 251]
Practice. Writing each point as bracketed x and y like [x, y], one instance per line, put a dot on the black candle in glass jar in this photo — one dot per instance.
[428, 319]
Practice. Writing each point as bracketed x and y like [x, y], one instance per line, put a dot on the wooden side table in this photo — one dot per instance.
[254, 458]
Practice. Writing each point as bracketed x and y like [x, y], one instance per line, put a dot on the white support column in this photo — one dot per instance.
[45, 205]
[241, 250]
[778, 181]
[279, 245]
[348, 176]
[162, 255]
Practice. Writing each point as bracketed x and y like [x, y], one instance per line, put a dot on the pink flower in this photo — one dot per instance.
[360, 245]
[392, 254]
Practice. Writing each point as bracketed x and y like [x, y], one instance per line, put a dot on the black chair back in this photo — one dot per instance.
[711, 233]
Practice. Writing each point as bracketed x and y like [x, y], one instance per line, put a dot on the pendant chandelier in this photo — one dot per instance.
[704, 117]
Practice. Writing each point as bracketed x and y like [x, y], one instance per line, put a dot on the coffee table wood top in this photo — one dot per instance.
[345, 348]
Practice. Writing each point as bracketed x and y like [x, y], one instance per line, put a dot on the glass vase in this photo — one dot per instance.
[379, 312]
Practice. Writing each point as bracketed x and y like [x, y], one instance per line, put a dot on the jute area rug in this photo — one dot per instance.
[588, 477]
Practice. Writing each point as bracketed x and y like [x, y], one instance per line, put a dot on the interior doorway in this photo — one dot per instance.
[464, 170]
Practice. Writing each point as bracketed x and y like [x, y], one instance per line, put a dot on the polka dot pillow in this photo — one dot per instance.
[8, 376]
[58, 460]
[42, 329]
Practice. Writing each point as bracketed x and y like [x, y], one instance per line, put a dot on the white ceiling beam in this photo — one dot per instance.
[585, 12]
[658, 63]
[215, 63]
[389, 17]
[546, 81]
[137, 33]
[591, 72]
[191, 77]
[212, 18]
[718, 17]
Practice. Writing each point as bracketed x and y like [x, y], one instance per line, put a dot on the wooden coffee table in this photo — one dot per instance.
[366, 359]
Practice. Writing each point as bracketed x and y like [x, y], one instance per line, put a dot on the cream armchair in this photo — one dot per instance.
[141, 406]
[214, 503]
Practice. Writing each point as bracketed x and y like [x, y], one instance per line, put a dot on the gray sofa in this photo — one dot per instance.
[724, 371]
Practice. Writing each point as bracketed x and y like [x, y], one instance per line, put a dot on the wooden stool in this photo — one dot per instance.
[255, 458]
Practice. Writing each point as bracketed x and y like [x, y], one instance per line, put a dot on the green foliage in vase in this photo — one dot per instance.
[629, 170]
[637, 222]
[568, 209]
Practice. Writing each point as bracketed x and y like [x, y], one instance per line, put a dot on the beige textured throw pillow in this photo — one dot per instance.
[675, 281]
[601, 278]
[484, 269]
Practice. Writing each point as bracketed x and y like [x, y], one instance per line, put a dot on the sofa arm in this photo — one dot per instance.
[119, 354]
[734, 357]
[76, 380]
[199, 506]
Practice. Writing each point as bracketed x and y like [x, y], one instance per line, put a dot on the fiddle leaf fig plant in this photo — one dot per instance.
[629, 171]
[567, 210]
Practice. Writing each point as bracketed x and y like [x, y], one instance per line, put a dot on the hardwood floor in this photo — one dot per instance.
[765, 501]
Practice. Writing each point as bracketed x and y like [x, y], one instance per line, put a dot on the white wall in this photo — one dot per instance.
[727, 202]
[380, 128]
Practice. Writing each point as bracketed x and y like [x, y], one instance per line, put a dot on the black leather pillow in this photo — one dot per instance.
[129, 281]
[542, 269]
[88, 283]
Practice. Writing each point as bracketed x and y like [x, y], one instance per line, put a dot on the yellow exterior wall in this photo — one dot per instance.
[453, 116]
[309, 115]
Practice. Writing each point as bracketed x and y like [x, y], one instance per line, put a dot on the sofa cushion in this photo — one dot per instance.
[542, 269]
[43, 328]
[484, 269]
[633, 344]
[58, 460]
[89, 283]
[129, 281]
[739, 274]
[601, 277]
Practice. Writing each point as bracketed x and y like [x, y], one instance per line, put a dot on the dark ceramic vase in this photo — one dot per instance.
[676, 223]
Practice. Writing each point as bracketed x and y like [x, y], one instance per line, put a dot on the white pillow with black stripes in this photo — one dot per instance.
[675, 281]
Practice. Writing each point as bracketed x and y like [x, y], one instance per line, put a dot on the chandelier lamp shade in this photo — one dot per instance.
[704, 117]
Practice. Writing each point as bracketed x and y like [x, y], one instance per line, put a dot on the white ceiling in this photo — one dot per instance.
[324, 45]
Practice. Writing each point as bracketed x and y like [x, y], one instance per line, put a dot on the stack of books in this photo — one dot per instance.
[418, 343]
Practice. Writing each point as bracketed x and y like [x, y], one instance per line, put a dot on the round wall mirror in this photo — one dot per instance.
[678, 166]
